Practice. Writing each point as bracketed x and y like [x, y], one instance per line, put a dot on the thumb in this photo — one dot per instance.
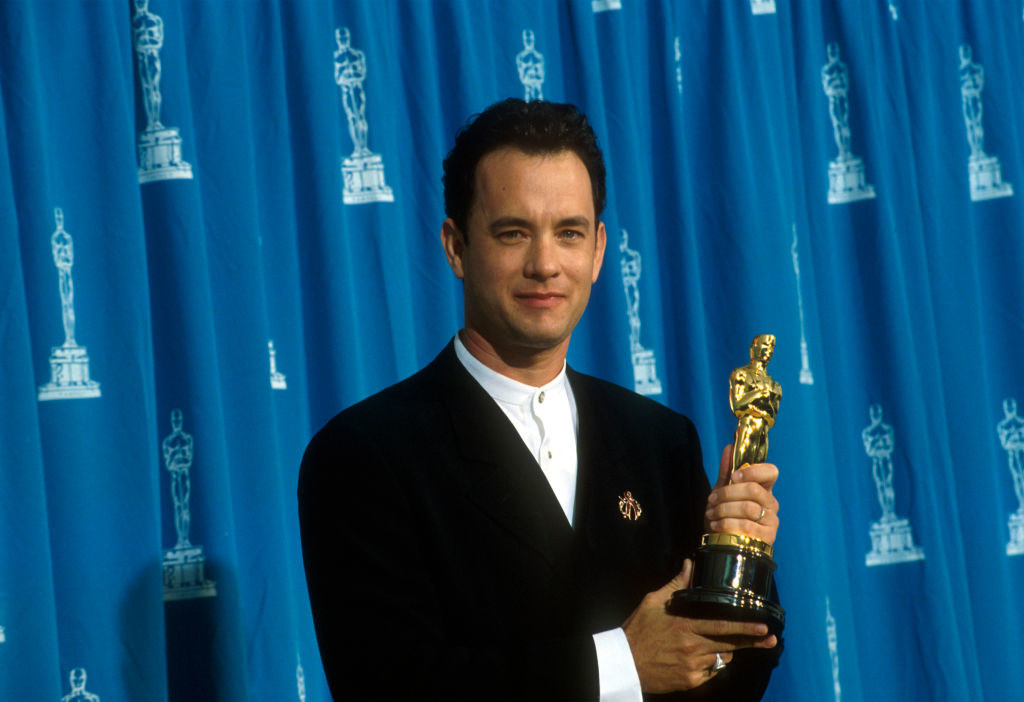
[725, 467]
[681, 580]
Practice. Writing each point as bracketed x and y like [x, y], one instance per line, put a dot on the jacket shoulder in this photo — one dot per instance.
[627, 408]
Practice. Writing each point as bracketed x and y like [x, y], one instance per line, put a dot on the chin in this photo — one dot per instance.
[542, 342]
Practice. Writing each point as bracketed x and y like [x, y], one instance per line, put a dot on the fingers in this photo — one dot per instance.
[677, 653]
[764, 474]
[736, 643]
[719, 635]
[746, 505]
[731, 634]
[765, 530]
[759, 509]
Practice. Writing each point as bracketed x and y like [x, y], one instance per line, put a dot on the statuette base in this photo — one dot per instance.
[364, 180]
[986, 178]
[892, 541]
[847, 181]
[645, 373]
[1015, 547]
[160, 155]
[69, 375]
[184, 577]
[732, 580]
[762, 7]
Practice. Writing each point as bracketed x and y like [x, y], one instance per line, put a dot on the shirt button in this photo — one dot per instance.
[540, 398]
[549, 454]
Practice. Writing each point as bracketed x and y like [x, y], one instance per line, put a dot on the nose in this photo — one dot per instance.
[542, 261]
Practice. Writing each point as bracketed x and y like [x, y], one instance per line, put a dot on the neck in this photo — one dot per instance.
[534, 367]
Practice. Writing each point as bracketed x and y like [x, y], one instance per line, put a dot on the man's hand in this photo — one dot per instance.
[746, 506]
[675, 653]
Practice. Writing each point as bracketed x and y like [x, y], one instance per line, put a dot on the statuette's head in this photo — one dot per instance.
[833, 51]
[77, 678]
[762, 348]
[342, 36]
[528, 38]
[875, 412]
[1010, 406]
[176, 419]
[965, 54]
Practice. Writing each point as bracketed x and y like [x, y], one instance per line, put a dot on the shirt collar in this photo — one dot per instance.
[501, 387]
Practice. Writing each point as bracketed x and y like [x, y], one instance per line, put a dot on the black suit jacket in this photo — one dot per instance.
[440, 563]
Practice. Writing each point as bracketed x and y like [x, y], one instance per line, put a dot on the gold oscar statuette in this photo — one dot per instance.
[733, 573]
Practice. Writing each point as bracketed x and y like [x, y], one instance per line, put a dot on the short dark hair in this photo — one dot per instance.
[535, 127]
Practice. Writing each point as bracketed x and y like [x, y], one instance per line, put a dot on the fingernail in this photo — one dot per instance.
[737, 476]
[713, 498]
[714, 525]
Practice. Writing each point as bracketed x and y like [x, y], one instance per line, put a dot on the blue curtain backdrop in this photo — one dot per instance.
[219, 226]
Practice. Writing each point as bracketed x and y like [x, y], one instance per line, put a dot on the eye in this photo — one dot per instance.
[571, 234]
[511, 235]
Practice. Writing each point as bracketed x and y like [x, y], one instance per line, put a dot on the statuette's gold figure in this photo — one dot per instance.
[754, 398]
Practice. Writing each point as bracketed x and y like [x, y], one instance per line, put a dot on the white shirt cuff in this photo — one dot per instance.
[616, 671]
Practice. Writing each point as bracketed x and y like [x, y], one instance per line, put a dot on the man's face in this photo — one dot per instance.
[534, 250]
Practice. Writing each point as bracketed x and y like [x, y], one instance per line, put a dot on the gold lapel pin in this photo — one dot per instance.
[628, 507]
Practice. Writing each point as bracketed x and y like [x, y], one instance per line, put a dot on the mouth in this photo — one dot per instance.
[540, 300]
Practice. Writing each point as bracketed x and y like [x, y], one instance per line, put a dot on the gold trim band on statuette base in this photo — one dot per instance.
[747, 543]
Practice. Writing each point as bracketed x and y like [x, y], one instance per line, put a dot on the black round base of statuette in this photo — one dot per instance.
[732, 580]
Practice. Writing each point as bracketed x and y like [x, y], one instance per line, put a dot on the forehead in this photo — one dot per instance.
[508, 177]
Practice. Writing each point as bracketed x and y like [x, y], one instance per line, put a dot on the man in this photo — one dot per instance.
[463, 531]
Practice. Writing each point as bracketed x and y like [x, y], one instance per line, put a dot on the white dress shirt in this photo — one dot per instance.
[547, 420]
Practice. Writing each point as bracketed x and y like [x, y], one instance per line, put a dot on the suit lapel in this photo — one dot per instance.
[605, 472]
[502, 478]
[615, 553]
[599, 457]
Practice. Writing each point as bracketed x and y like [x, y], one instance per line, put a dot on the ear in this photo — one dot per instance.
[454, 244]
[601, 240]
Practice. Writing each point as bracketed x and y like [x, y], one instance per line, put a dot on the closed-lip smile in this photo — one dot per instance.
[540, 298]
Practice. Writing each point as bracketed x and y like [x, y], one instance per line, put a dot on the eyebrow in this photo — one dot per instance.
[510, 221]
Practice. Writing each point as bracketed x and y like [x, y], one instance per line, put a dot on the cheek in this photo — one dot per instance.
[486, 282]
[497, 273]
